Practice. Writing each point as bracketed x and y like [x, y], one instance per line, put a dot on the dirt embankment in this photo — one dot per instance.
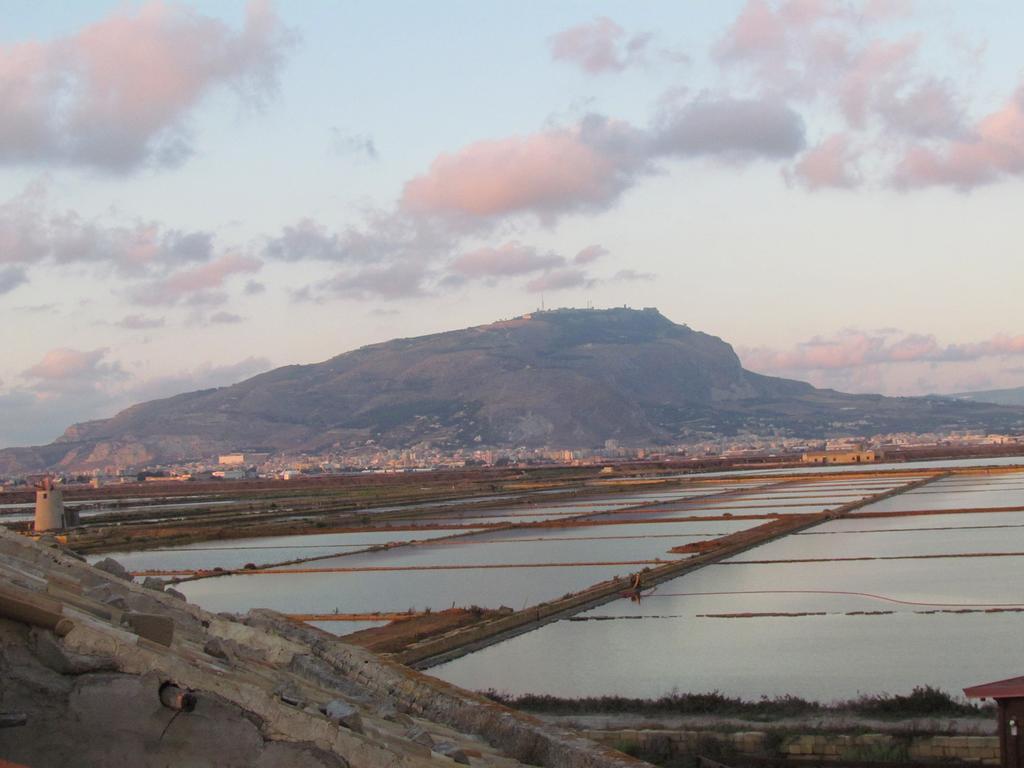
[398, 635]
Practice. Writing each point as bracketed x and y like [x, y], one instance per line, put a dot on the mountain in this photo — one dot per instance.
[563, 378]
[1012, 396]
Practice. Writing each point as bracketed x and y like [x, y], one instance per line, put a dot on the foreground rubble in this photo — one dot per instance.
[104, 672]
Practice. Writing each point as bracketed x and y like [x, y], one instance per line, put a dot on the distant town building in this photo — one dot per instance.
[229, 474]
[839, 457]
[241, 459]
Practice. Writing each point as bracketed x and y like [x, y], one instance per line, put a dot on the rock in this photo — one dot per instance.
[448, 749]
[116, 601]
[114, 568]
[420, 736]
[217, 648]
[151, 582]
[325, 676]
[344, 714]
[401, 719]
[51, 652]
[175, 593]
[151, 626]
[290, 695]
[390, 712]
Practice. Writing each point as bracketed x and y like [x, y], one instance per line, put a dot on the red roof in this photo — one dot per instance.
[1001, 689]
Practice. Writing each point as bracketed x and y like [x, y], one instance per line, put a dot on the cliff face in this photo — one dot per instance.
[563, 378]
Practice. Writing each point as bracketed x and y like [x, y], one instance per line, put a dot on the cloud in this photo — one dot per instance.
[855, 349]
[830, 164]
[306, 239]
[383, 236]
[926, 109]
[140, 322]
[806, 49]
[731, 128]
[897, 115]
[992, 150]
[225, 318]
[353, 144]
[30, 233]
[81, 386]
[788, 44]
[556, 171]
[197, 285]
[588, 166]
[559, 280]
[116, 94]
[11, 278]
[36, 308]
[598, 47]
[390, 282]
[254, 288]
[629, 275]
[512, 258]
[64, 371]
[590, 254]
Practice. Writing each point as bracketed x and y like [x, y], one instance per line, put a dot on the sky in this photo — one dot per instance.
[192, 194]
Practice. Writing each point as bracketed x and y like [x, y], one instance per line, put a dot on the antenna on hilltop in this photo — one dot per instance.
[542, 302]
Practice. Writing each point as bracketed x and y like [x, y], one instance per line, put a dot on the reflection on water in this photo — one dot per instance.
[235, 553]
[393, 591]
[840, 627]
[818, 657]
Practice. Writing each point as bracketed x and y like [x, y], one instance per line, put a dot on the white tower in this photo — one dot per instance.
[49, 506]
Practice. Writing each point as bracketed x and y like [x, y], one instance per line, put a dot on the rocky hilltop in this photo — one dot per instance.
[570, 378]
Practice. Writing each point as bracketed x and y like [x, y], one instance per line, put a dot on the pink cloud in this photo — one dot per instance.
[546, 173]
[66, 363]
[66, 371]
[590, 254]
[196, 283]
[881, 67]
[598, 47]
[587, 167]
[813, 48]
[993, 149]
[114, 95]
[830, 164]
[790, 46]
[857, 349]
[757, 31]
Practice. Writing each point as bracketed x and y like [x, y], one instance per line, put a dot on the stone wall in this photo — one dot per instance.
[867, 747]
[518, 735]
